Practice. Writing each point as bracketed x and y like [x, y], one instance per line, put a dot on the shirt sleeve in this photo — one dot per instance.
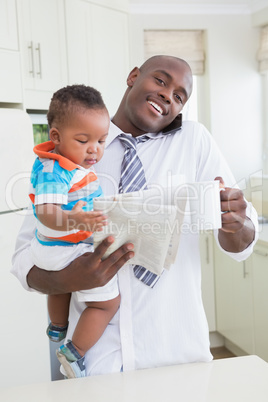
[21, 259]
[51, 188]
[211, 163]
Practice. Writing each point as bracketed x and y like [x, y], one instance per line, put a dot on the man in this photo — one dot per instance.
[165, 324]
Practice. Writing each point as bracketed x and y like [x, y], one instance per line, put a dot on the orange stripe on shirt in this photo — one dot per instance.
[74, 237]
[43, 151]
[82, 183]
[32, 197]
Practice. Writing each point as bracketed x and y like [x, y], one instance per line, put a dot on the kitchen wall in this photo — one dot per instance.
[230, 92]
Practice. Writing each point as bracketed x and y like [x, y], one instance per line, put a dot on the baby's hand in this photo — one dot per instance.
[92, 221]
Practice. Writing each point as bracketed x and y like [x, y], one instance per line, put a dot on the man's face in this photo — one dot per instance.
[157, 94]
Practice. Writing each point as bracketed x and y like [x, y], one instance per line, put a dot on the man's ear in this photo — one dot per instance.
[54, 136]
[133, 76]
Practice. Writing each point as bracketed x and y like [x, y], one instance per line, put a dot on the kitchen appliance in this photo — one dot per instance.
[23, 315]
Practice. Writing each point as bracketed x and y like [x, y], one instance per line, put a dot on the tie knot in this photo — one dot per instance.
[128, 141]
[131, 142]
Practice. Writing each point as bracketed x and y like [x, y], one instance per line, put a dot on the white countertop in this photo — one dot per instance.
[239, 379]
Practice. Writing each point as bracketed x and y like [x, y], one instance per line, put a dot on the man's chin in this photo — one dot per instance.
[145, 125]
[153, 128]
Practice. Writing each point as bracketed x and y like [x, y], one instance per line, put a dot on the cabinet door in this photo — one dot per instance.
[234, 304]
[260, 287]
[48, 37]
[208, 291]
[42, 30]
[97, 42]
[10, 68]
[14, 183]
[110, 66]
[8, 25]
[10, 77]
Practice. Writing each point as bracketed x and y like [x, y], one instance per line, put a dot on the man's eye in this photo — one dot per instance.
[178, 97]
[159, 80]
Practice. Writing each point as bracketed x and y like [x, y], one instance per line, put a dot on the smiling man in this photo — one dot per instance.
[164, 324]
[156, 94]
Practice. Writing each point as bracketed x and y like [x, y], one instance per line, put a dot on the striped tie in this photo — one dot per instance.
[133, 179]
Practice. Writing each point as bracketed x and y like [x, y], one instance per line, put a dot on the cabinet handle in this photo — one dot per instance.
[207, 250]
[31, 62]
[38, 49]
[245, 273]
[262, 253]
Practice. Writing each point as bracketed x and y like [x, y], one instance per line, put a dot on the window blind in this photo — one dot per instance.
[188, 45]
[262, 55]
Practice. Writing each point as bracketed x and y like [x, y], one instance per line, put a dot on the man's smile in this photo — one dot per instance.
[156, 107]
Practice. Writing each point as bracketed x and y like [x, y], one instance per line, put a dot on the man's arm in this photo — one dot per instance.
[86, 272]
[237, 231]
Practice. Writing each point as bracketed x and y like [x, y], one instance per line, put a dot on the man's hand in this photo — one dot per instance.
[237, 230]
[233, 207]
[86, 272]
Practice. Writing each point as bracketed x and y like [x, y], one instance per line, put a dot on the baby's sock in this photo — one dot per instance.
[55, 333]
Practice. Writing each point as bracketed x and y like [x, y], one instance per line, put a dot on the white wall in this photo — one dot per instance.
[230, 92]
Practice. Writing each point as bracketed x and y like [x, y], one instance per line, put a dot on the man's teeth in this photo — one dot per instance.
[156, 106]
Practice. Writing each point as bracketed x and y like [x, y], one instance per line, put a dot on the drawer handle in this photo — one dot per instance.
[38, 49]
[31, 62]
[207, 250]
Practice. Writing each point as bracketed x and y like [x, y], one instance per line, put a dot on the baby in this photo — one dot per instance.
[63, 185]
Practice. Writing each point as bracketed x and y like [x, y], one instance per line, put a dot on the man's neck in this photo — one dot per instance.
[126, 127]
[129, 128]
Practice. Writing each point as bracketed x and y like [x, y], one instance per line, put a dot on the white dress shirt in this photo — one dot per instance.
[167, 324]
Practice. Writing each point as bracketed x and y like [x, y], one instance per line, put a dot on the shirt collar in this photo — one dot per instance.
[44, 149]
[115, 131]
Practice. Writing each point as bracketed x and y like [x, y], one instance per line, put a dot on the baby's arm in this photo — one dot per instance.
[54, 217]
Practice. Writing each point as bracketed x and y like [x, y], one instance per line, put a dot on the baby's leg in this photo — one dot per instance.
[58, 309]
[89, 329]
[93, 322]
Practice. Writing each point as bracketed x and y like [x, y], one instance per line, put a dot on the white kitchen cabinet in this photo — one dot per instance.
[43, 50]
[8, 25]
[260, 298]
[97, 43]
[14, 183]
[234, 302]
[122, 5]
[10, 77]
[23, 317]
[208, 291]
[10, 66]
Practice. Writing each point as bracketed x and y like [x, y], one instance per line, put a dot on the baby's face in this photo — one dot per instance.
[82, 140]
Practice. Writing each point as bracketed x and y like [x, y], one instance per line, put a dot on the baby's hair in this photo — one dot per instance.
[71, 99]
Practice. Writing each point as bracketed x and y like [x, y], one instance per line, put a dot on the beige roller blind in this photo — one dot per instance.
[262, 55]
[187, 45]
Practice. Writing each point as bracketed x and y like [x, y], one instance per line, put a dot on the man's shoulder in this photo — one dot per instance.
[193, 125]
[194, 128]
